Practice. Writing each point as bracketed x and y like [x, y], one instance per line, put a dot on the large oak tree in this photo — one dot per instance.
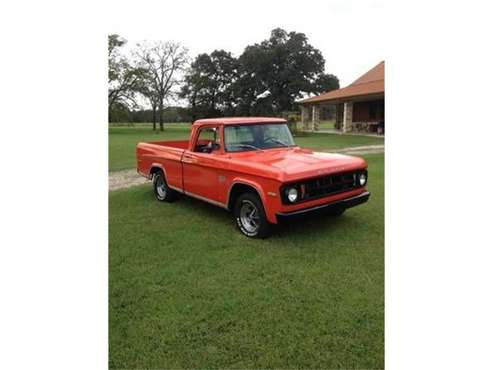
[279, 70]
[208, 84]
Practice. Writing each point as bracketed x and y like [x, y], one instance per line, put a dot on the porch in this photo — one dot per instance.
[365, 116]
[357, 108]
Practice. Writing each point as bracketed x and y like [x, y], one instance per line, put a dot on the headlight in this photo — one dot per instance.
[292, 195]
[362, 179]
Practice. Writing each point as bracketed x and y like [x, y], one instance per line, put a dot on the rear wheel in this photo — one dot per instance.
[162, 191]
[250, 216]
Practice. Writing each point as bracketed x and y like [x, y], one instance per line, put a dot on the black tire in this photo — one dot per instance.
[162, 191]
[255, 223]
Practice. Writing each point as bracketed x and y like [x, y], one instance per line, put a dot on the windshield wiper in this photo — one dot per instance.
[247, 146]
[277, 141]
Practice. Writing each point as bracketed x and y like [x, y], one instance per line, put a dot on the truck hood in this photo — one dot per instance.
[295, 163]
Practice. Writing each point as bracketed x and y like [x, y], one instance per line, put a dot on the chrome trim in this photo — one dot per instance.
[193, 195]
[352, 201]
[219, 204]
[176, 188]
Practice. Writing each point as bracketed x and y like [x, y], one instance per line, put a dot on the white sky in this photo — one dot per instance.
[348, 32]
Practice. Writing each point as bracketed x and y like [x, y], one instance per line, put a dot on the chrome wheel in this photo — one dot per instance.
[249, 216]
[161, 187]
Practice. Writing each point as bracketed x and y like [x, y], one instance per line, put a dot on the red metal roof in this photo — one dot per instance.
[238, 120]
[371, 83]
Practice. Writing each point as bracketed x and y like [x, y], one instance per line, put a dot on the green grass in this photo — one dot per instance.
[122, 141]
[334, 141]
[187, 290]
[326, 125]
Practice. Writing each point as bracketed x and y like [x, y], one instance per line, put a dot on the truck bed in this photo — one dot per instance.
[165, 154]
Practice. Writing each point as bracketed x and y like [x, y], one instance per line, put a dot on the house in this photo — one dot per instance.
[359, 107]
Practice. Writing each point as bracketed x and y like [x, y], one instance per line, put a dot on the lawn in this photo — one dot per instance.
[187, 290]
[327, 125]
[122, 141]
[334, 141]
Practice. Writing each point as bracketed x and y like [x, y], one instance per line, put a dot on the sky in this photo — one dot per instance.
[349, 33]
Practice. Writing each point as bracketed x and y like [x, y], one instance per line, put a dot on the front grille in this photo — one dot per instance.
[323, 186]
[328, 185]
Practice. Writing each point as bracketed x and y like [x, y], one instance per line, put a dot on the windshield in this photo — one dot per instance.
[239, 138]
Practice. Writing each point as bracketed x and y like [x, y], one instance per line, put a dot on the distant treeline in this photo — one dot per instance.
[181, 114]
[170, 114]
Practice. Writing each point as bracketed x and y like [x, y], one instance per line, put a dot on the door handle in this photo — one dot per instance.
[188, 159]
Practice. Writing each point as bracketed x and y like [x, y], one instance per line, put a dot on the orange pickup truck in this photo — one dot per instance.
[252, 166]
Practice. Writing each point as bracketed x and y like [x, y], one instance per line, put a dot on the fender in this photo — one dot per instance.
[240, 180]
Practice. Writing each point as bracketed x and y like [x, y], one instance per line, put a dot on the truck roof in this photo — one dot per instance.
[239, 120]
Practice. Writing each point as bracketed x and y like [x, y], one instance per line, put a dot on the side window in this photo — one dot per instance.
[208, 140]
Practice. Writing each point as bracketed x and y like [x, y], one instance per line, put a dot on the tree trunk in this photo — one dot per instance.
[194, 97]
[161, 127]
[153, 118]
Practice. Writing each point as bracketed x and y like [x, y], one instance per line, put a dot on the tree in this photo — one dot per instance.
[208, 84]
[326, 83]
[123, 78]
[250, 89]
[147, 89]
[276, 72]
[163, 62]
[114, 42]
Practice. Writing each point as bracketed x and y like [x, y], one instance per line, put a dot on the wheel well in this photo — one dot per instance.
[239, 189]
[155, 170]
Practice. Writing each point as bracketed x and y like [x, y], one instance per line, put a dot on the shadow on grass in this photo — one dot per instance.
[319, 225]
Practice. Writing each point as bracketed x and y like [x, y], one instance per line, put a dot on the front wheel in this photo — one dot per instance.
[250, 216]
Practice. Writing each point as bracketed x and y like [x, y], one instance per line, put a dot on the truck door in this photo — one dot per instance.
[200, 165]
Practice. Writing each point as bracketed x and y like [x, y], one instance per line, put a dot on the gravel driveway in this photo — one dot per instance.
[125, 179]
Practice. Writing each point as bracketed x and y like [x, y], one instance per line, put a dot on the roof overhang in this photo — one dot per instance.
[357, 98]
[369, 86]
